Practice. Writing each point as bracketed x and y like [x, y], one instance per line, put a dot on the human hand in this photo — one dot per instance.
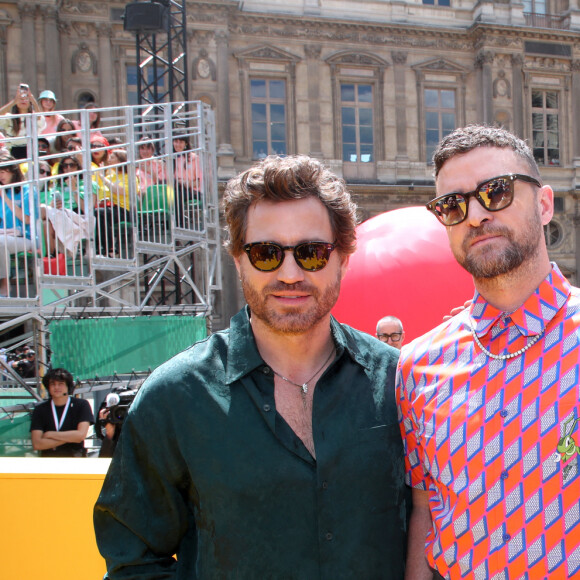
[457, 310]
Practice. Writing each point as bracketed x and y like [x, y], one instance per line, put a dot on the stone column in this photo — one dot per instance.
[313, 52]
[28, 59]
[483, 63]
[518, 94]
[52, 48]
[105, 67]
[65, 67]
[225, 151]
[399, 61]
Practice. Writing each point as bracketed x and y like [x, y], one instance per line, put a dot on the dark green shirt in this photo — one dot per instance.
[206, 469]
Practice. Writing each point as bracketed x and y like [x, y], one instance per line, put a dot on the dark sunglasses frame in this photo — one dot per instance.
[393, 336]
[477, 193]
[68, 165]
[326, 246]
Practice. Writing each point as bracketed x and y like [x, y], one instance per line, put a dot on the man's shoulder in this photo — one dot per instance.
[203, 360]
[432, 341]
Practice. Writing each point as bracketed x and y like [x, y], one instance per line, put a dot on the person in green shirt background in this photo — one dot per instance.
[270, 449]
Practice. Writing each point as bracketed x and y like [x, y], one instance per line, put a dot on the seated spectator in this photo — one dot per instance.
[187, 175]
[94, 120]
[16, 226]
[150, 171]
[63, 134]
[99, 157]
[44, 173]
[115, 208]
[65, 212]
[14, 128]
[70, 183]
[59, 427]
[47, 102]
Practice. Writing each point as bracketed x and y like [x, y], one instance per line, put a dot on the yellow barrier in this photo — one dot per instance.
[46, 510]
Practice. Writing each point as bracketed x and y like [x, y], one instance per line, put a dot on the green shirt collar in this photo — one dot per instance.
[243, 356]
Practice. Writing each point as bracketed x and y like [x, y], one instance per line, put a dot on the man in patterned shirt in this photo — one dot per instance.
[489, 400]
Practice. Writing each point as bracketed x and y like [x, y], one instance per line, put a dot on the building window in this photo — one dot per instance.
[558, 204]
[545, 127]
[440, 117]
[268, 105]
[535, 6]
[438, 2]
[357, 122]
[554, 234]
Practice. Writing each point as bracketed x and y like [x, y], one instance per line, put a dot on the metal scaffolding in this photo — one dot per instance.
[166, 257]
[162, 72]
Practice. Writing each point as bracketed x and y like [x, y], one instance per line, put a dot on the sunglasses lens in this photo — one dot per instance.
[265, 257]
[497, 193]
[312, 256]
[451, 209]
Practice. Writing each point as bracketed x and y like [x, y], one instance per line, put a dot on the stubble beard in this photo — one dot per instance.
[518, 251]
[293, 320]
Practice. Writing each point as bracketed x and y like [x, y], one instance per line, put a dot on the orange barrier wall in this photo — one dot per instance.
[46, 515]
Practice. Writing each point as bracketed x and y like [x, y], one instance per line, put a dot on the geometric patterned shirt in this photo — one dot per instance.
[496, 443]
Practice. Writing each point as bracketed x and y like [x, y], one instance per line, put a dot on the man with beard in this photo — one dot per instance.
[489, 399]
[272, 449]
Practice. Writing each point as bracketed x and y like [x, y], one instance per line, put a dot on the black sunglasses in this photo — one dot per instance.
[494, 195]
[268, 256]
[69, 165]
[43, 172]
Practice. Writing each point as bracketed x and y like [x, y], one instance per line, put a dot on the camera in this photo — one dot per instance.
[118, 402]
[24, 89]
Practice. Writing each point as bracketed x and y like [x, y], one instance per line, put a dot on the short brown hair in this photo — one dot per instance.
[465, 139]
[284, 179]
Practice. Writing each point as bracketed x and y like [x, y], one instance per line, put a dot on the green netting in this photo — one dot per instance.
[105, 346]
[15, 434]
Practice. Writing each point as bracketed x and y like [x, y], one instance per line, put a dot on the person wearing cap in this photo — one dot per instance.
[47, 102]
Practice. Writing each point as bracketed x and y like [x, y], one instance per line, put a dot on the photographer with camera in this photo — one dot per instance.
[112, 413]
[59, 426]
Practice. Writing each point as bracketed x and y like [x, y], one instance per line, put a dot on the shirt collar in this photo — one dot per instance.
[533, 315]
[243, 356]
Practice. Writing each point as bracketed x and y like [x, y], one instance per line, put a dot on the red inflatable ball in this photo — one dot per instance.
[402, 266]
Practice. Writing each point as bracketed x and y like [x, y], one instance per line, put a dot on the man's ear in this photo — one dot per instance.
[546, 201]
[237, 263]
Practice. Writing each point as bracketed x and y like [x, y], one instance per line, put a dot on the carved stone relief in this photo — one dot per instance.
[83, 60]
[501, 86]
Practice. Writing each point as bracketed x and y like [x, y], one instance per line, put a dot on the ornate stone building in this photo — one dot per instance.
[367, 86]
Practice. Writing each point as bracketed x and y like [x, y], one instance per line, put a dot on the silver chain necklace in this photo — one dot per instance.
[304, 385]
[503, 356]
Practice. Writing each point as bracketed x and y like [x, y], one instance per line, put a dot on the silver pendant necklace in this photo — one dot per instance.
[504, 356]
[304, 385]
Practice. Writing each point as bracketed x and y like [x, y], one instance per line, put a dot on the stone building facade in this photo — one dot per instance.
[367, 86]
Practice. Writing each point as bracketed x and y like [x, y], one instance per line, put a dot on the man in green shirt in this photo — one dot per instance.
[271, 449]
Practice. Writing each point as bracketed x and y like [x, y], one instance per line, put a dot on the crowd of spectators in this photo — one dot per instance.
[64, 202]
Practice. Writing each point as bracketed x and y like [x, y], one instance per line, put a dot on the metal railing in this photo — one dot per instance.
[126, 219]
[546, 20]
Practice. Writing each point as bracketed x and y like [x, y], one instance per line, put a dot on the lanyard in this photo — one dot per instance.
[56, 422]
